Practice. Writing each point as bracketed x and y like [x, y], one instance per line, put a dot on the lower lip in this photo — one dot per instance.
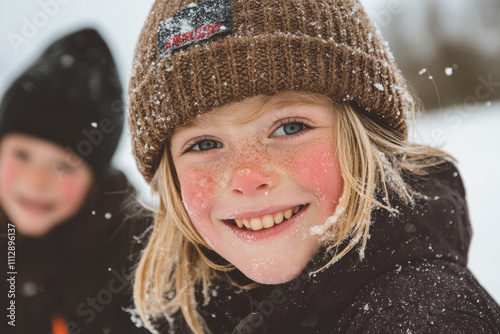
[267, 233]
[34, 208]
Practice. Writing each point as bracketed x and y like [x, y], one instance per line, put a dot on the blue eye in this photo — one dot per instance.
[289, 129]
[205, 145]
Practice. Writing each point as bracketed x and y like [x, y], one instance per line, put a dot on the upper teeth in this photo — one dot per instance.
[266, 221]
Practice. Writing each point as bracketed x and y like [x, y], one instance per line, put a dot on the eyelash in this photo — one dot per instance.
[196, 142]
[307, 126]
[282, 122]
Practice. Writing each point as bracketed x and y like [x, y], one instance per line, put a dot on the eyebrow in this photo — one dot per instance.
[265, 105]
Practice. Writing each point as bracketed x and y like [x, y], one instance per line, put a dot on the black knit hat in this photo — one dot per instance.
[71, 96]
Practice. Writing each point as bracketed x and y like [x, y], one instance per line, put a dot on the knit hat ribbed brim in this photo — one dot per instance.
[326, 47]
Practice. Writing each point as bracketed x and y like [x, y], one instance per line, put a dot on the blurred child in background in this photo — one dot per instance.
[60, 199]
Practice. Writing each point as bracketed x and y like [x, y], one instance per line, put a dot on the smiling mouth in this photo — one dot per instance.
[35, 206]
[267, 221]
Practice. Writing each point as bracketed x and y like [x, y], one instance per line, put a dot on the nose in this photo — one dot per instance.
[252, 182]
[37, 178]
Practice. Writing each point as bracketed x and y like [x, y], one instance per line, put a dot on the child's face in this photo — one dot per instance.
[41, 184]
[233, 170]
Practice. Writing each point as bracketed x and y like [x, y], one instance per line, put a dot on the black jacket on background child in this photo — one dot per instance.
[413, 280]
[80, 270]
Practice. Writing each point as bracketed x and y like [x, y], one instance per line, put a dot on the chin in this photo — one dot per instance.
[274, 280]
[33, 230]
[271, 274]
[33, 233]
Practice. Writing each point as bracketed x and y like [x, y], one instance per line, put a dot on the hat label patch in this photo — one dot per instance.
[197, 22]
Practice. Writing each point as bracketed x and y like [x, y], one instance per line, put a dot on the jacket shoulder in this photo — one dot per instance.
[424, 297]
[445, 173]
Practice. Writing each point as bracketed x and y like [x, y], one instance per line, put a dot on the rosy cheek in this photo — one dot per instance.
[198, 192]
[9, 173]
[316, 168]
[72, 192]
[10, 170]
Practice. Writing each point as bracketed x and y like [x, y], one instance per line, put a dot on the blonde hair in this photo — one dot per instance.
[372, 158]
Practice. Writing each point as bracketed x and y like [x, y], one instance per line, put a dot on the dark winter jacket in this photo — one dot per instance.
[413, 279]
[80, 270]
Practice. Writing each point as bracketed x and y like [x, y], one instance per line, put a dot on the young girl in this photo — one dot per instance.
[64, 238]
[290, 199]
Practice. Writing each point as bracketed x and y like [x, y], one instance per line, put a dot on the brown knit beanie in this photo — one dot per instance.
[193, 57]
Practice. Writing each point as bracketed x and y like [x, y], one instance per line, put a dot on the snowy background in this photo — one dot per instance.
[469, 131]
